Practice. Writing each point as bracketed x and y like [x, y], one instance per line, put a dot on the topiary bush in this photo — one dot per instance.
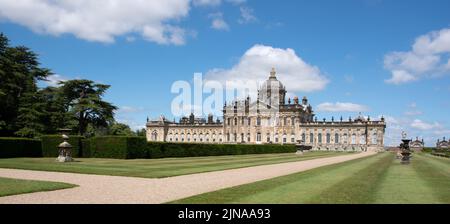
[50, 145]
[20, 147]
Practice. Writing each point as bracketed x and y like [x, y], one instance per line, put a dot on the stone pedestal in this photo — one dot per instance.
[65, 150]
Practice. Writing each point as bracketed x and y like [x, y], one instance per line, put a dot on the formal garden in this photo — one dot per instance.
[379, 179]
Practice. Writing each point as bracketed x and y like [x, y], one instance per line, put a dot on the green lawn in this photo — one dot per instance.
[156, 168]
[375, 179]
[14, 186]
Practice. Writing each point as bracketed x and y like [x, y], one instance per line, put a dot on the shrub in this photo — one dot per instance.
[118, 147]
[50, 145]
[161, 149]
[20, 147]
[122, 147]
[86, 148]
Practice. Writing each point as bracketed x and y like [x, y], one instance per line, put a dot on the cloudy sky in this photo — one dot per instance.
[378, 57]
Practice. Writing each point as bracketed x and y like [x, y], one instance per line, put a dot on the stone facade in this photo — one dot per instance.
[270, 120]
[417, 145]
[444, 144]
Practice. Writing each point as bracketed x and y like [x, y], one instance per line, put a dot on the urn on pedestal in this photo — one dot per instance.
[405, 150]
[65, 148]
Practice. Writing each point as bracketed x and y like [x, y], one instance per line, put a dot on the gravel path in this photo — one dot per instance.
[99, 189]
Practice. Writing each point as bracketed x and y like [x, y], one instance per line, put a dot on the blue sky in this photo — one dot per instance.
[380, 57]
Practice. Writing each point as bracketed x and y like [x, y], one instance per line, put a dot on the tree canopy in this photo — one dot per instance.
[29, 111]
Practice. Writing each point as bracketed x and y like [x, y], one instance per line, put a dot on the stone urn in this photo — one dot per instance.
[65, 148]
[405, 151]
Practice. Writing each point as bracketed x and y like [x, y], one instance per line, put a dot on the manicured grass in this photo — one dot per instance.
[156, 168]
[376, 179]
[14, 186]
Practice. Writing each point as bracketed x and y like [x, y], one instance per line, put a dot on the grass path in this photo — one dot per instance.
[10, 186]
[157, 168]
[376, 179]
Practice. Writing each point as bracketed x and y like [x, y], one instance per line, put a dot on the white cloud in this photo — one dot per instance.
[130, 39]
[236, 2]
[430, 132]
[247, 15]
[218, 22]
[341, 107]
[428, 58]
[53, 80]
[206, 2]
[421, 125]
[413, 113]
[256, 63]
[412, 110]
[100, 20]
[129, 109]
[400, 77]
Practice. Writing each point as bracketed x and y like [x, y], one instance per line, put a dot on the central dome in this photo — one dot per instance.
[272, 90]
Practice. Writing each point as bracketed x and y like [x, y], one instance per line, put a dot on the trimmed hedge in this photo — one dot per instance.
[162, 149]
[118, 147]
[86, 148]
[20, 147]
[139, 148]
[50, 145]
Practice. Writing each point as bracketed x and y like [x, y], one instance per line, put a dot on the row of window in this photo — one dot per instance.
[246, 138]
[248, 121]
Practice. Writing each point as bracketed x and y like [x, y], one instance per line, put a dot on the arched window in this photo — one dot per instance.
[303, 137]
[276, 138]
[235, 121]
[234, 137]
[311, 138]
[284, 138]
[268, 137]
[258, 137]
[293, 138]
[285, 121]
[154, 136]
[249, 120]
[242, 137]
[228, 137]
[258, 121]
[374, 137]
[336, 138]
[248, 137]
[353, 138]
[328, 138]
[345, 138]
[319, 138]
[293, 121]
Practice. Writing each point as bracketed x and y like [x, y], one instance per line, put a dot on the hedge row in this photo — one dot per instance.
[50, 145]
[116, 147]
[20, 147]
[139, 148]
[162, 150]
[127, 148]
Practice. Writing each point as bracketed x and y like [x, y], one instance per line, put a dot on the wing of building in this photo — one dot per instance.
[271, 120]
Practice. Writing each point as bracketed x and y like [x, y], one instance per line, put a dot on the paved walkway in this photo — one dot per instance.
[99, 189]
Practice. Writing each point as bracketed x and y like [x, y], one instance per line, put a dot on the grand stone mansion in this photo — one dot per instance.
[272, 120]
